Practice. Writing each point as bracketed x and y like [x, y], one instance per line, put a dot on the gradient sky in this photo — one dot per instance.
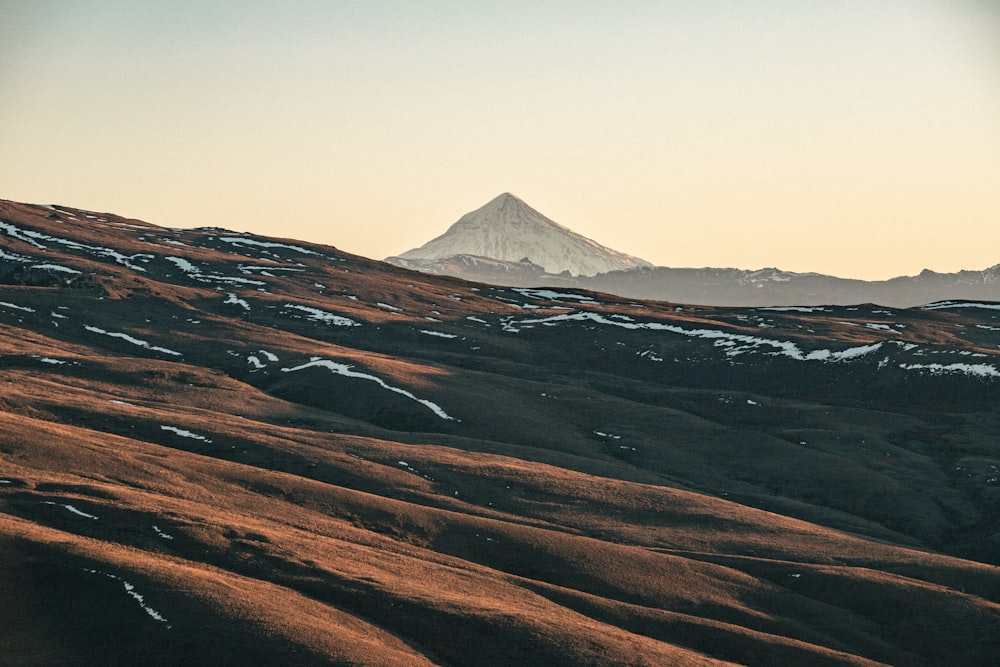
[850, 137]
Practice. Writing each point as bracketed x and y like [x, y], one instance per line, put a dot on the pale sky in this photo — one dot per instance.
[858, 138]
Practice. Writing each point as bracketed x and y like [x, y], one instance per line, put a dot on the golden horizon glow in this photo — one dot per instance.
[843, 138]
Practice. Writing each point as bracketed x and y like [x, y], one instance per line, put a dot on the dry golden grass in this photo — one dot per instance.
[586, 506]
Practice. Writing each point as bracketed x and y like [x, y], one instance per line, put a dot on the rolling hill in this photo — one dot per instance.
[221, 448]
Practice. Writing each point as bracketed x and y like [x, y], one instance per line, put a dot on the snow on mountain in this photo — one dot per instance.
[508, 229]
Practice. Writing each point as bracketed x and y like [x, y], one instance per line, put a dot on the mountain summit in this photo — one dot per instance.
[508, 229]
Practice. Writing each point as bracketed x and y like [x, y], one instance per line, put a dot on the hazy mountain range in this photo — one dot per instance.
[222, 448]
[506, 242]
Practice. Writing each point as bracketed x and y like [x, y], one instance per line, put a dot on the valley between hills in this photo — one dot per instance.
[221, 448]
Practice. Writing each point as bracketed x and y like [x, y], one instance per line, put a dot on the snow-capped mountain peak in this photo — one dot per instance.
[508, 229]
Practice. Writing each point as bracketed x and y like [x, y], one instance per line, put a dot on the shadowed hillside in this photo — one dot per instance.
[218, 448]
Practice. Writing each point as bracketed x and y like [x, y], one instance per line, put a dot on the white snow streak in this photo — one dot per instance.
[130, 589]
[227, 279]
[7, 304]
[552, 295]
[14, 257]
[162, 534]
[71, 509]
[938, 305]
[345, 370]
[796, 309]
[55, 267]
[22, 235]
[736, 344]
[192, 272]
[979, 370]
[437, 333]
[323, 316]
[239, 241]
[235, 300]
[32, 237]
[183, 264]
[649, 354]
[130, 339]
[185, 434]
[247, 268]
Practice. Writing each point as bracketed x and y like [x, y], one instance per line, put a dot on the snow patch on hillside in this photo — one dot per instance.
[979, 370]
[960, 304]
[797, 309]
[269, 245]
[35, 238]
[132, 339]
[130, 589]
[72, 509]
[162, 534]
[55, 267]
[7, 304]
[439, 334]
[192, 272]
[318, 315]
[345, 370]
[232, 299]
[736, 344]
[185, 434]
[552, 295]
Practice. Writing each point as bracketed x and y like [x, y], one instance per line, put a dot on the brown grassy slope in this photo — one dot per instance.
[587, 504]
[307, 528]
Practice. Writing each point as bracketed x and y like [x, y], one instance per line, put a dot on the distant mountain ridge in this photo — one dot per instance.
[495, 262]
[509, 230]
[772, 287]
